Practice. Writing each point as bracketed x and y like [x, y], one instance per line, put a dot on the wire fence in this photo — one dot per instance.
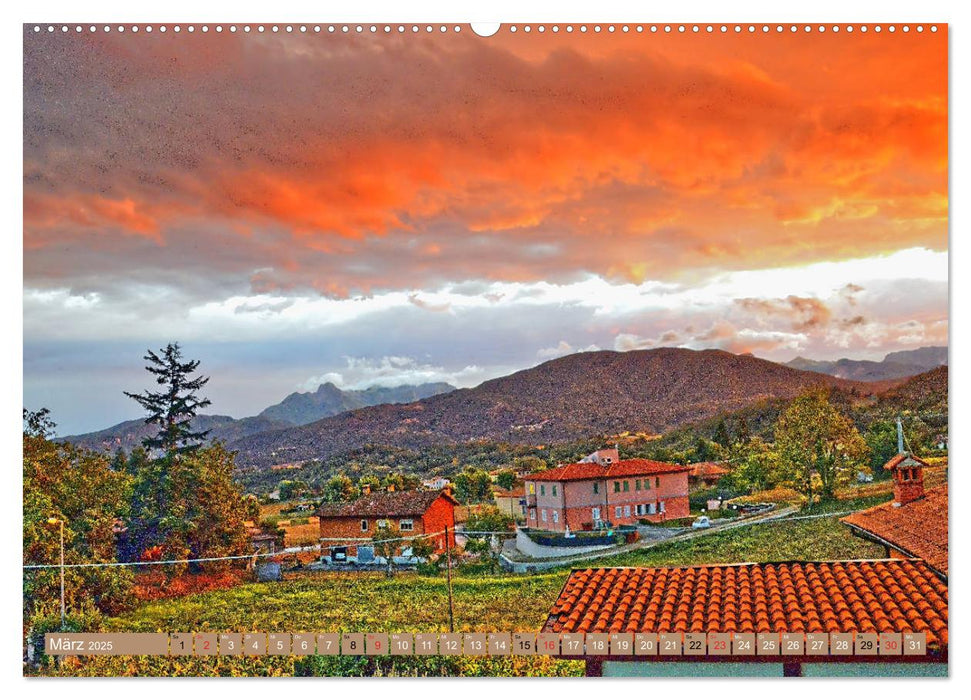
[288, 550]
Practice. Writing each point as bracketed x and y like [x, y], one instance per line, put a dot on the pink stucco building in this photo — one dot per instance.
[602, 488]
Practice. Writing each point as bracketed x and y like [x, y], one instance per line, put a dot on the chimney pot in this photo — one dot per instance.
[908, 482]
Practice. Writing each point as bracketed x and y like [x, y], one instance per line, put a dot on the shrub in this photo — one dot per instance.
[48, 619]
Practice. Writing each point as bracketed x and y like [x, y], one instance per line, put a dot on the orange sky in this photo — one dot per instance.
[231, 165]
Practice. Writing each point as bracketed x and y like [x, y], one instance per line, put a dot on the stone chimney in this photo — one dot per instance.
[908, 479]
[907, 472]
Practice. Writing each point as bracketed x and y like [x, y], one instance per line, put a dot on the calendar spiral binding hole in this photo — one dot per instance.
[376, 29]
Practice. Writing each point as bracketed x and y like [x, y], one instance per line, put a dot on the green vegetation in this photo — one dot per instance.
[488, 547]
[78, 491]
[817, 538]
[819, 447]
[473, 486]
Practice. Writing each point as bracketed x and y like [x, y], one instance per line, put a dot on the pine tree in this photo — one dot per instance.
[173, 408]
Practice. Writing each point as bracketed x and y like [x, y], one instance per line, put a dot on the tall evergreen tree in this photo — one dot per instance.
[173, 408]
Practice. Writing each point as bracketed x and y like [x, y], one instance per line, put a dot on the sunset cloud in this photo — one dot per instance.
[477, 205]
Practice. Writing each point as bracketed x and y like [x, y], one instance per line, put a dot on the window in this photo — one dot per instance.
[626, 486]
[616, 487]
[638, 509]
[532, 487]
[661, 506]
[532, 514]
[596, 487]
[554, 489]
[364, 526]
[650, 509]
[382, 523]
[637, 485]
[556, 516]
[595, 514]
[618, 511]
[542, 489]
[626, 511]
[406, 525]
[543, 514]
[647, 483]
[657, 481]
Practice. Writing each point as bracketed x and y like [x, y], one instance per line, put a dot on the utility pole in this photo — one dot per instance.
[448, 575]
[55, 521]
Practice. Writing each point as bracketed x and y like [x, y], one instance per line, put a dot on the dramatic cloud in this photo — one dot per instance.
[351, 164]
[364, 372]
[367, 208]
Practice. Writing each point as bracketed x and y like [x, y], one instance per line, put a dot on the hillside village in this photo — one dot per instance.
[726, 496]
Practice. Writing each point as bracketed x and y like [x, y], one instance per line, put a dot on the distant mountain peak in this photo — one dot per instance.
[895, 365]
[300, 408]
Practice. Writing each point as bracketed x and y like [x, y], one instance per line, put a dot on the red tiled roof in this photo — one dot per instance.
[918, 528]
[898, 458]
[512, 493]
[893, 595]
[701, 470]
[384, 504]
[591, 470]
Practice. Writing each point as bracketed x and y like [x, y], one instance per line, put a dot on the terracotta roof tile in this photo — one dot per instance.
[591, 470]
[384, 503]
[918, 528]
[900, 457]
[893, 595]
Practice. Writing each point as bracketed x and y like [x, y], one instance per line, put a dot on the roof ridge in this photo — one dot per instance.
[754, 563]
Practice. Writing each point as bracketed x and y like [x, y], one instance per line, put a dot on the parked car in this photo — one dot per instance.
[365, 557]
[701, 523]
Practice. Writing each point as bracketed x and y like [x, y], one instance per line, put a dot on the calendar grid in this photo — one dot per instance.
[664, 645]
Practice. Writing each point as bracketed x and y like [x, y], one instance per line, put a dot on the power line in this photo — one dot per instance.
[290, 550]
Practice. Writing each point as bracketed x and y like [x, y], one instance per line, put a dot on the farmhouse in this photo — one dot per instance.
[717, 603]
[602, 489]
[914, 524]
[412, 512]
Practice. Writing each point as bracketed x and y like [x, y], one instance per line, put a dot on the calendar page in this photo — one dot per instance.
[549, 349]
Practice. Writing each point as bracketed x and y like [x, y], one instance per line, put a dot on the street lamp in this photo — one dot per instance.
[58, 521]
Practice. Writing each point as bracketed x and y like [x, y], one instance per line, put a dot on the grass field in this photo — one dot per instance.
[410, 603]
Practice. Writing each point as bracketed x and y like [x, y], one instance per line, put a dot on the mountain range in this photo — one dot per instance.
[295, 410]
[329, 400]
[579, 396]
[895, 365]
[572, 397]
